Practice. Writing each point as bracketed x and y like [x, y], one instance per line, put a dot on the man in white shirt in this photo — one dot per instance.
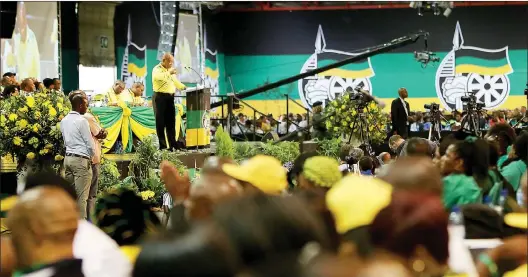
[80, 149]
[97, 133]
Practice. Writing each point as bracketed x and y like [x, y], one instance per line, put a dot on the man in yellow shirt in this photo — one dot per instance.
[164, 86]
[137, 92]
[114, 92]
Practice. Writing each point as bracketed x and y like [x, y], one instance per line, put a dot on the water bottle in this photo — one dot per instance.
[502, 200]
[487, 201]
[456, 223]
[520, 198]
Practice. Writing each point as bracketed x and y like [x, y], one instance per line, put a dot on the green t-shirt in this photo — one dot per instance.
[513, 173]
[460, 189]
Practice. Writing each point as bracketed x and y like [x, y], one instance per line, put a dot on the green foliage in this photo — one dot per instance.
[343, 112]
[224, 144]
[285, 151]
[329, 147]
[109, 176]
[144, 168]
[144, 159]
[244, 151]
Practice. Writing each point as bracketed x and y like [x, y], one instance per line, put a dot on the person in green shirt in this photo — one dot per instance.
[515, 166]
[465, 167]
[504, 135]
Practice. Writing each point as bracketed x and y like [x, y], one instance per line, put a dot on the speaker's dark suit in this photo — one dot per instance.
[399, 117]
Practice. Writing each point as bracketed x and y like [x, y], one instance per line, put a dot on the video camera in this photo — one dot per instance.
[433, 107]
[471, 102]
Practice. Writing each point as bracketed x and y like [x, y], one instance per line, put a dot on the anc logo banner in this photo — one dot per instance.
[330, 84]
[469, 70]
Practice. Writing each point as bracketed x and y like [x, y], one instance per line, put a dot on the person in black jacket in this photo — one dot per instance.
[400, 114]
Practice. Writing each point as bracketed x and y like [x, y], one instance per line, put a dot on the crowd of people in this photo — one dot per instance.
[407, 212]
[399, 213]
[10, 86]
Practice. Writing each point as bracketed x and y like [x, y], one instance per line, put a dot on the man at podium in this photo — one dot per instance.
[164, 84]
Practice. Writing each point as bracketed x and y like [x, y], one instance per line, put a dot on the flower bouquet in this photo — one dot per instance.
[30, 128]
[343, 112]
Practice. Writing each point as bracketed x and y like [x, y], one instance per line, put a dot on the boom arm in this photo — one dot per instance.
[386, 47]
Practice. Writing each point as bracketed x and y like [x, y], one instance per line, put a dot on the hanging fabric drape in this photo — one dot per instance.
[129, 121]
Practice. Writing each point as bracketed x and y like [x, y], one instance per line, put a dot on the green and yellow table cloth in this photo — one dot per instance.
[128, 121]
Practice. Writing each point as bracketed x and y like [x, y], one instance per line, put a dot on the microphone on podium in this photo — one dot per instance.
[190, 68]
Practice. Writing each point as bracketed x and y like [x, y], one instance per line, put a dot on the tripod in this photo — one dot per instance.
[436, 126]
[360, 120]
[471, 121]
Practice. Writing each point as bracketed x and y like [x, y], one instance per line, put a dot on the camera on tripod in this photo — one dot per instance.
[471, 102]
[433, 107]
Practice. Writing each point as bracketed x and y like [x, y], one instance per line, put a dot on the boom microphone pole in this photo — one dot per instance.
[386, 47]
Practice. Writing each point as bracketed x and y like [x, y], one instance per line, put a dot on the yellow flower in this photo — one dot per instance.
[23, 109]
[58, 125]
[37, 114]
[59, 157]
[30, 101]
[59, 106]
[48, 146]
[60, 99]
[43, 151]
[2, 120]
[13, 117]
[30, 155]
[22, 123]
[146, 195]
[17, 141]
[52, 111]
[36, 127]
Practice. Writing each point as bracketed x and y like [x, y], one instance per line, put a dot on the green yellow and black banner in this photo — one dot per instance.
[359, 69]
[483, 63]
[211, 68]
[137, 61]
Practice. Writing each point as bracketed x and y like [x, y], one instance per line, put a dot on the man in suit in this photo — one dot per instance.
[400, 114]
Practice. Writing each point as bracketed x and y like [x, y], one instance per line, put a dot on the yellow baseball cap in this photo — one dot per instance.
[356, 200]
[7, 203]
[517, 220]
[264, 172]
[521, 271]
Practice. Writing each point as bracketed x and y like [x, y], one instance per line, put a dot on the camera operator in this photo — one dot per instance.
[400, 114]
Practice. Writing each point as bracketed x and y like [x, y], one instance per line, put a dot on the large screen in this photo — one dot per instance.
[187, 49]
[34, 48]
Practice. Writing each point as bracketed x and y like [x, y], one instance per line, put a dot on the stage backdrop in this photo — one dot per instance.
[136, 38]
[481, 49]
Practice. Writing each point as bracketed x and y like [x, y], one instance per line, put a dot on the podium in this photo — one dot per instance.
[197, 133]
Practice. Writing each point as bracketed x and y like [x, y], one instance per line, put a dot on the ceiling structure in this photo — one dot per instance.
[248, 6]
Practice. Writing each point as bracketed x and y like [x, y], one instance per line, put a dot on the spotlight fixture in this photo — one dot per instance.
[435, 7]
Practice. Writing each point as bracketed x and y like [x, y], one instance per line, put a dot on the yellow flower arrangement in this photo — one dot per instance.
[17, 141]
[13, 117]
[30, 128]
[35, 128]
[22, 123]
[30, 101]
[343, 115]
[147, 195]
[52, 111]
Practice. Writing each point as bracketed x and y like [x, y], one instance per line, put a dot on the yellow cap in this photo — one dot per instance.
[356, 200]
[7, 203]
[131, 252]
[264, 172]
[517, 220]
[521, 271]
